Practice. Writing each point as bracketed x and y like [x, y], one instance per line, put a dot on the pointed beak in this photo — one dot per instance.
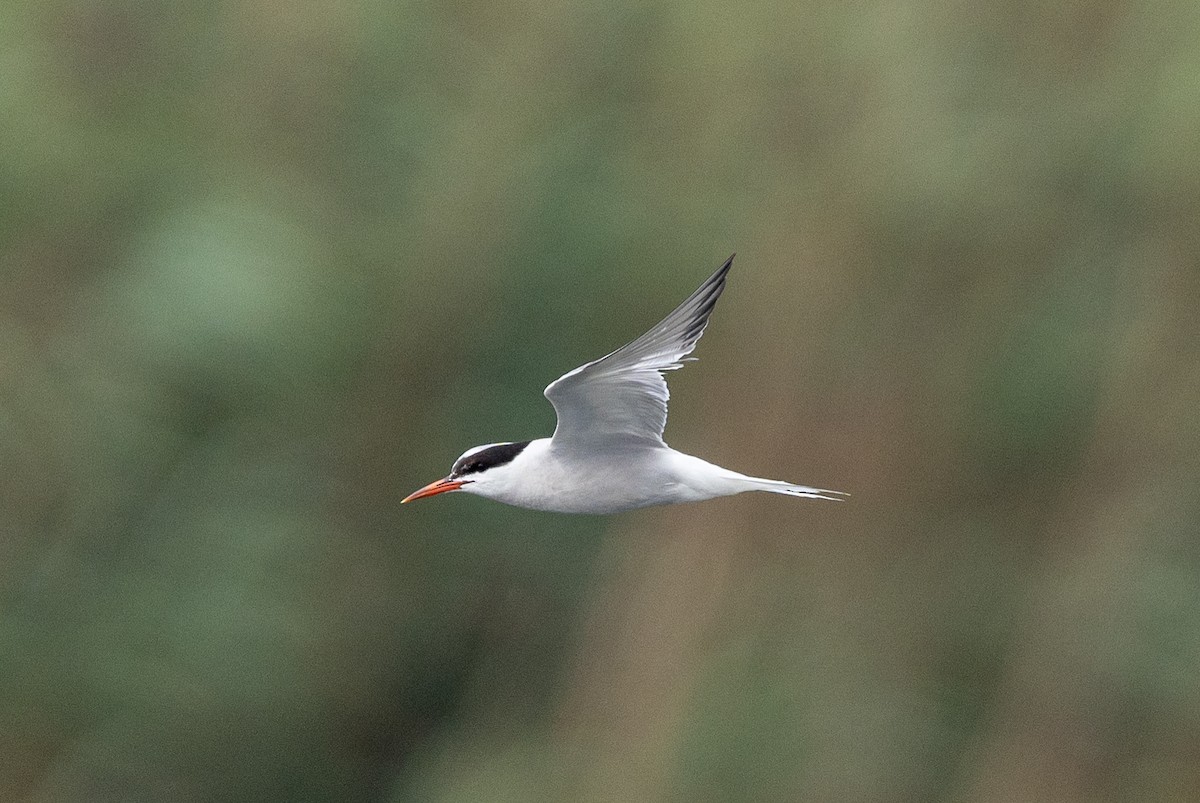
[433, 489]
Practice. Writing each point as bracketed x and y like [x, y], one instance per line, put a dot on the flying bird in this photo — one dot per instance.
[607, 453]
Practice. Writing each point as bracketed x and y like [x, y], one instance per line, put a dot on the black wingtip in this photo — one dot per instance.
[716, 283]
[718, 277]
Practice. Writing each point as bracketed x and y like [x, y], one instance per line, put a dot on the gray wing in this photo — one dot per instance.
[622, 397]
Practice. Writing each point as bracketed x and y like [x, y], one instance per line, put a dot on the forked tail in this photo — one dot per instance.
[780, 487]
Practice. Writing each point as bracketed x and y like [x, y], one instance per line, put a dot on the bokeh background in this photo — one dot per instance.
[267, 267]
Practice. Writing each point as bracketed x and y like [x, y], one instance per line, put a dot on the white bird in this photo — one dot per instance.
[607, 453]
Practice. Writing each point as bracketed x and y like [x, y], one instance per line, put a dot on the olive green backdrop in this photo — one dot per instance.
[267, 267]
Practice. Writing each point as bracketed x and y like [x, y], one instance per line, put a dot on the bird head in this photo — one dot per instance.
[478, 469]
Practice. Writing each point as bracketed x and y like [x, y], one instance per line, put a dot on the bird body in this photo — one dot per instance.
[607, 454]
[545, 478]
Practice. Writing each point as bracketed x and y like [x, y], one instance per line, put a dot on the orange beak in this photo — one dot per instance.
[433, 489]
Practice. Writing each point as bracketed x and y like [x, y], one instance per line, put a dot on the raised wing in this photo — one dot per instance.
[622, 397]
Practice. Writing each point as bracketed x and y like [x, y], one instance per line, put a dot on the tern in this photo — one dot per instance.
[607, 453]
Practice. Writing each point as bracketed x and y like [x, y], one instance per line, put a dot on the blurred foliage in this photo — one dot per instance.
[268, 267]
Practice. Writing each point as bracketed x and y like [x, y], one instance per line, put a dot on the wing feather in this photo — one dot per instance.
[622, 397]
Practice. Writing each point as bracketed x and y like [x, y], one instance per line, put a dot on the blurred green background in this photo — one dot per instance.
[267, 267]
